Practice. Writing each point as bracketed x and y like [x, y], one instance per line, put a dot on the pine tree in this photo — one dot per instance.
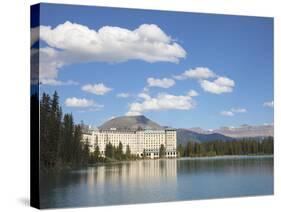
[128, 152]
[96, 153]
[162, 151]
[109, 150]
[180, 150]
[67, 139]
[119, 151]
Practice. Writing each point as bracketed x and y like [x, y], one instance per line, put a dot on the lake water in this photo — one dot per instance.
[147, 181]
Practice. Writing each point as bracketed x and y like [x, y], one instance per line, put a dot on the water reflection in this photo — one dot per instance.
[126, 182]
[158, 180]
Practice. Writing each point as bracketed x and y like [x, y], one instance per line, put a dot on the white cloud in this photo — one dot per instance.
[192, 93]
[144, 95]
[49, 63]
[233, 111]
[269, 104]
[162, 83]
[162, 101]
[98, 89]
[83, 103]
[133, 113]
[77, 43]
[197, 73]
[54, 82]
[220, 85]
[76, 102]
[227, 113]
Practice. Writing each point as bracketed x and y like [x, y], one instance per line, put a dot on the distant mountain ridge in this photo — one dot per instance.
[240, 132]
[191, 134]
[185, 135]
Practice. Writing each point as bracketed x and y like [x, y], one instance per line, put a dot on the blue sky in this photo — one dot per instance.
[228, 61]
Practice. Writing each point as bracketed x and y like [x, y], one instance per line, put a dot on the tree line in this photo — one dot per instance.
[60, 138]
[61, 141]
[111, 153]
[245, 146]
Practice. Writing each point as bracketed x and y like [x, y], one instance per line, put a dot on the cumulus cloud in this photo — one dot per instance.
[123, 95]
[98, 89]
[162, 83]
[233, 111]
[132, 113]
[163, 101]
[203, 75]
[218, 86]
[144, 95]
[197, 73]
[269, 104]
[227, 113]
[83, 103]
[70, 43]
[54, 82]
[192, 93]
[76, 102]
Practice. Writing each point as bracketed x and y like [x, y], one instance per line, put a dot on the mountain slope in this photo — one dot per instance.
[248, 131]
[184, 135]
[244, 131]
[193, 134]
[130, 123]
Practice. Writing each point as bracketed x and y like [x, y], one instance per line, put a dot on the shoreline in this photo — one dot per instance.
[226, 157]
[186, 158]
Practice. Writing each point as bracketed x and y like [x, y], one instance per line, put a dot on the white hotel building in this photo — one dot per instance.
[139, 141]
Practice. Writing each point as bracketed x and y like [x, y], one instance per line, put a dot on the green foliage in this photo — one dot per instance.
[245, 146]
[162, 151]
[144, 154]
[96, 153]
[128, 152]
[60, 139]
[109, 152]
[180, 150]
[113, 153]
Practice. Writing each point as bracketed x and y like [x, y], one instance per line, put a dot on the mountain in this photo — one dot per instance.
[192, 134]
[240, 132]
[130, 123]
[248, 131]
[184, 135]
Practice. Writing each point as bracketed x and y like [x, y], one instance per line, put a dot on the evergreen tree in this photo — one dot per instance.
[67, 139]
[109, 150]
[180, 150]
[119, 151]
[44, 130]
[60, 140]
[96, 153]
[80, 152]
[162, 151]
[128, 152]
[86, 152]
[249, 146]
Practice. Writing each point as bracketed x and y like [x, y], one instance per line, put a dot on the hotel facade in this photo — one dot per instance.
[141, 142]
